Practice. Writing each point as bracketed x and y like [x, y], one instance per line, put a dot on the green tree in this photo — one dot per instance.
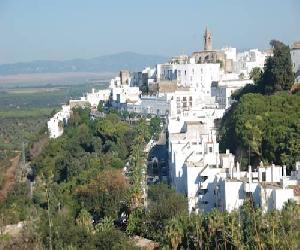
[278, 71]
[136, 222]
[105, 224]
[256, 74]
[174, 232]
[85, 220]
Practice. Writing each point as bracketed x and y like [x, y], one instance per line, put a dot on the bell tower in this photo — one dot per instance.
[207, 40]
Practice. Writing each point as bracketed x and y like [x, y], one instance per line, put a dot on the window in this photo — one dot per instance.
[202, 191]
[191, 101]
[210, 149]
[204, 178]
[263, 176]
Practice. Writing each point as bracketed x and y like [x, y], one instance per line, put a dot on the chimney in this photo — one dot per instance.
[231, 170]
[272, 172]
[217, 161]
[283, 183]
[250, 174]
[284, 170]
[260, 174]
[238, 174]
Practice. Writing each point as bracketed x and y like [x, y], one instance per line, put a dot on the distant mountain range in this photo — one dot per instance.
[109, 63]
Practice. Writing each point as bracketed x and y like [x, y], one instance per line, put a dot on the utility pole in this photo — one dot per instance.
[249, 154]
[23, 154]
[49, 217]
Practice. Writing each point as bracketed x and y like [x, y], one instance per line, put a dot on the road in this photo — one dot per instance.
[159, 167]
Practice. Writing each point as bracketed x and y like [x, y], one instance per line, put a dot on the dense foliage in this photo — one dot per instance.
[247, 228]
[80, 185]
[267, 127]
[278, 71]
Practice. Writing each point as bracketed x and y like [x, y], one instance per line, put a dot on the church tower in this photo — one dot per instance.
[207, 40]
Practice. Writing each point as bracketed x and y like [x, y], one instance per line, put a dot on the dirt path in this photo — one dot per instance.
[9, 178]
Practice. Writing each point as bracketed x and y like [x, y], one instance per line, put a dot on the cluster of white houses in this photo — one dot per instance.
[193, 92]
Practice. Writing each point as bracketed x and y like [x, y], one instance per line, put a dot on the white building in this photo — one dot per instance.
[55, 124]
[193, 142]
[123, 94]
[55, 128]
[248, 60]
[190, 75]
[226, 187]
[295, 54]
[95, 97]
[154, 105]
[223, 90]
[146, 76]
[230, 53]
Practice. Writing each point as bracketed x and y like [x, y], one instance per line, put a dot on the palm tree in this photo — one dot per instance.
[215, 223]
[197, 230]
[174, 232]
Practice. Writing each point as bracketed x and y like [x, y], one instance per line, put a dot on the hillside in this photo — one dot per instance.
[107, 63]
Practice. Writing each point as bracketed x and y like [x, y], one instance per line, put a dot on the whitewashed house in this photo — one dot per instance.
[248, 60]
[56, 123]
[295, 55]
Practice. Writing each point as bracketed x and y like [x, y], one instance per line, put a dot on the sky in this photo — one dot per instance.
[67, 29]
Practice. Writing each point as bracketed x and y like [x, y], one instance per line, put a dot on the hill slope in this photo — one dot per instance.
[108, 63]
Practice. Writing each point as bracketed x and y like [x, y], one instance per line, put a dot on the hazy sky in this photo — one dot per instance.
[65, 29]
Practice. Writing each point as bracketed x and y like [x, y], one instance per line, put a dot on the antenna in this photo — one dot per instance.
[249, 154]
[23, 154]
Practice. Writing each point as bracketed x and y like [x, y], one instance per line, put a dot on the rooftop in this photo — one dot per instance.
[296, 45]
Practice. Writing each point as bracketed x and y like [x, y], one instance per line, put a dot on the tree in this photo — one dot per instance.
[102, 196]
[155, 128]
[174, 232]
[278, 71]
[256, 74]
[265, 126]
[85, 220]
[100, 106]
[164, 204]
[105, 224]
[197, 230]
[136, 222]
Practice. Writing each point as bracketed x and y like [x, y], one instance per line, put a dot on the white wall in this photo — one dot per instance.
[234, 195]
[248, 60]
[54, 128]
[230, 53]
[295, 54]
[94, 98]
